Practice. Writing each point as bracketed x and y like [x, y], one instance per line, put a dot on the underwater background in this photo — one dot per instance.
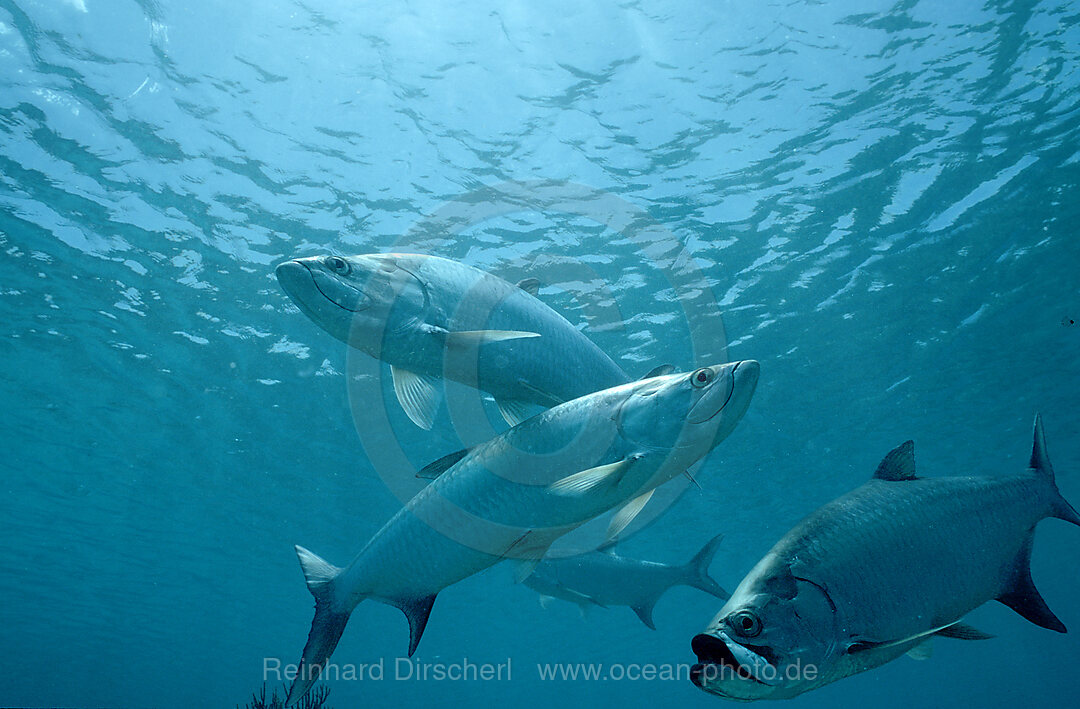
[881, 195]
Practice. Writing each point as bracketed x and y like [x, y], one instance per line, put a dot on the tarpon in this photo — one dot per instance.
[603, 578]
[512, 496]
[878, 572]
[430, 317]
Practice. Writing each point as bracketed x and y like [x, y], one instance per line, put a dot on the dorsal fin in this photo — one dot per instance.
[436, 468]
[608, 547]
[899, 464]
[529, 285]
[659, 371]
[1040, 461]
[1040, 465]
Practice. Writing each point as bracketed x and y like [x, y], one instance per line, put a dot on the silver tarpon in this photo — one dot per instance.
[605, 579]
[876, 573]
[514, 495]
[430, 317]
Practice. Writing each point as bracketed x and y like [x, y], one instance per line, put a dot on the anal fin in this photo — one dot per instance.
[1023, 597]
[528, 550]
[1030, 605]
[922, 651]
[645, 613]
[524, 569]
[417, 611]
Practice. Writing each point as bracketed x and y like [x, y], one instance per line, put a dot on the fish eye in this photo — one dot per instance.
[338, 265]
[746, 624]
[702, 377]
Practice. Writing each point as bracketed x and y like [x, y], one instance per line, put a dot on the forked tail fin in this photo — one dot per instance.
[1040, 463]
[693, 573]
[697, 570]
[326, 628]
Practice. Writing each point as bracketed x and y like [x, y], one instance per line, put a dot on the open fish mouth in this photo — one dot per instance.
[720, 658]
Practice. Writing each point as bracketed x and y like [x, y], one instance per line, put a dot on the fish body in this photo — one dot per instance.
[512, 496]
[876, 573]
[430, 317]
[606, 579]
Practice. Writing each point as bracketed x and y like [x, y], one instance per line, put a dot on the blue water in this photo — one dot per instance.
[881, 196]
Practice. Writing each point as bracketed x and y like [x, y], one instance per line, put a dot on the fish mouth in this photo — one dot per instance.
[721, 658]
[742, 376]
[297, 278]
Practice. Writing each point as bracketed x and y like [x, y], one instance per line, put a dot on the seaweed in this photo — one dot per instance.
[315, 699]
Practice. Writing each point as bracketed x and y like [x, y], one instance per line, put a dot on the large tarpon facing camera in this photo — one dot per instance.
[877, 573]
[430, 317]
[511, 497]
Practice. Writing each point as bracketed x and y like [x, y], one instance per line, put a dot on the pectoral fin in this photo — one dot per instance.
[582, 599]
[474, 338]
[958, 630]
[417, 394]
[963, 631]
[626, 515]
[513, 411]
[600, 477]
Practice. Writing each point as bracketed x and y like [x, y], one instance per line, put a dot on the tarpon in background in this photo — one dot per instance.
[603, 578]
[511, 497]
[877, 573]
[430, 317]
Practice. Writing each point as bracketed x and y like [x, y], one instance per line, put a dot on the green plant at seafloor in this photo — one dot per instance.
[315, 699]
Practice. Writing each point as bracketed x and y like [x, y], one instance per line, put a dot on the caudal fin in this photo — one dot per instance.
[326, 628]
[697, 570]
[1040, 463]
